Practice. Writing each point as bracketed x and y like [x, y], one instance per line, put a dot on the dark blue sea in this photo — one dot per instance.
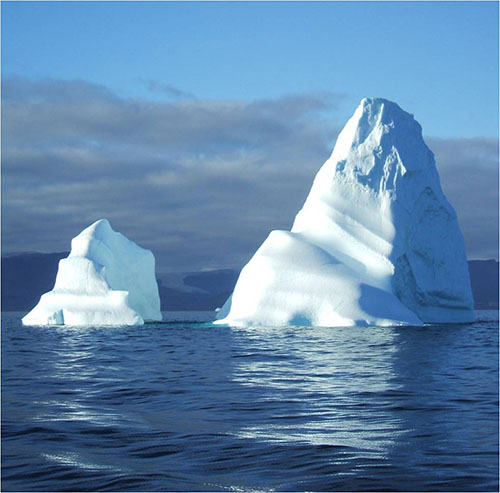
[186, 406]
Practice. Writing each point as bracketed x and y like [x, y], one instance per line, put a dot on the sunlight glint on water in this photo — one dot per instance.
[188, 406]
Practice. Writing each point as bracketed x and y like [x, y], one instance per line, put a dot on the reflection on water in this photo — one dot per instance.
[190, 406]
[327, 384]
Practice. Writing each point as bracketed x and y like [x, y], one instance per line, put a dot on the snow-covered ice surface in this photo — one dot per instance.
[376, 242]
[106, 280]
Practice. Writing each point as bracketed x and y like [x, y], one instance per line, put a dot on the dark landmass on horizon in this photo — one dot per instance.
[26, 276]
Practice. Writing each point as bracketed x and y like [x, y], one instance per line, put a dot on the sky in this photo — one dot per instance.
[197, 128]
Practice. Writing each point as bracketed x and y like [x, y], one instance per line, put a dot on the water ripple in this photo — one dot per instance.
[191, 407]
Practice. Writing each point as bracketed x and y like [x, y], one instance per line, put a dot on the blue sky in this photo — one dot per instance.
[197, 128]
[437, 59]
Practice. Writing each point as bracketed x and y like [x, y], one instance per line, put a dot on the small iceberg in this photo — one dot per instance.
[106, 280]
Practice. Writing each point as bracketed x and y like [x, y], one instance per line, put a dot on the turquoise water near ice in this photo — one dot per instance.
[186, 406]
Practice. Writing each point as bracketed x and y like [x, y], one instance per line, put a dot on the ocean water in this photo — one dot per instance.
[186, 406]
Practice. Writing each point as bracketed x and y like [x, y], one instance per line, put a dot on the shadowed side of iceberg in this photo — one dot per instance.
[106, 280]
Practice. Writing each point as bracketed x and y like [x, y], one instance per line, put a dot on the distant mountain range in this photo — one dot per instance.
[25, 276]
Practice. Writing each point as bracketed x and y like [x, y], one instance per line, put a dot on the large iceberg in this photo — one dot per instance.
[106, 280]
[376, 242]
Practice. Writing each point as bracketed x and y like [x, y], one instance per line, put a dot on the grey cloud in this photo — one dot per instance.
[468, 170]
[23, 90]
[199, 182]
[167, 89]
[185, 127]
